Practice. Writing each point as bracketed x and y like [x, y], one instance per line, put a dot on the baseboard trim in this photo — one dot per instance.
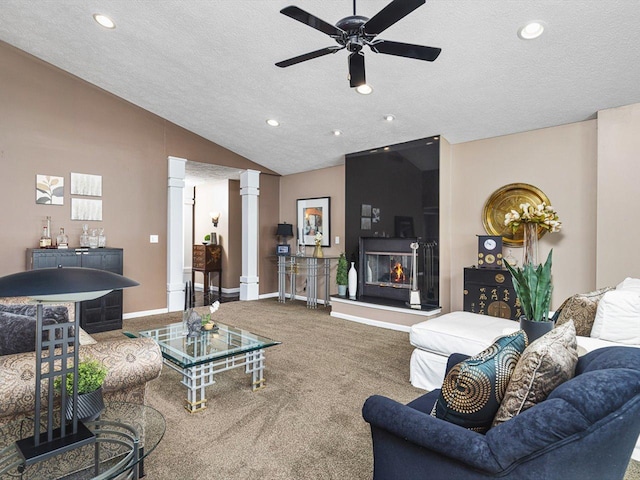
[145, 313]
[374, 323]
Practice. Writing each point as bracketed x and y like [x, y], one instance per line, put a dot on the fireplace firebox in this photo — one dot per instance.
[385, 270]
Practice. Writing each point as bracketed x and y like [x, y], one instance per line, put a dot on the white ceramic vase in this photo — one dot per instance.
[353, 281]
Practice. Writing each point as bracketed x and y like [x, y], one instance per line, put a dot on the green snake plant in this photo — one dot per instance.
[533, 287]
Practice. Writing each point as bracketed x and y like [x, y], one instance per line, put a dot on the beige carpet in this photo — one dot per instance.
[307, 423]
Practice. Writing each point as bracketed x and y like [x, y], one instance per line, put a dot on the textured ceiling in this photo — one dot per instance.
[209, 67]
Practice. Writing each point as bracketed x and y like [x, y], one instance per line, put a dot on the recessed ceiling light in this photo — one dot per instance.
[364, 89]
[389, 118]
[531, 30]
[337, 133]
[273, 122]
[103, 20]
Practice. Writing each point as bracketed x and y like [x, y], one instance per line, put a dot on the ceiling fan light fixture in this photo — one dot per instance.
[272, 122]
[531, 30]
[364, 89]
[104, 21]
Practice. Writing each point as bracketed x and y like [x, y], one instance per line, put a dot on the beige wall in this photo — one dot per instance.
[326, 182]
[618, 194]
[446, 247]
[561, 161]
[221, 196]
[53, 123]
[269, 208]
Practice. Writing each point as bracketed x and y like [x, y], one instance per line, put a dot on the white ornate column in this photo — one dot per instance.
[249, 191]
[175, 239]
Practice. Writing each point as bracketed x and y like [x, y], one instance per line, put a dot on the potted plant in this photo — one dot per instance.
[533, 287]
[91, 375]
[342, 276]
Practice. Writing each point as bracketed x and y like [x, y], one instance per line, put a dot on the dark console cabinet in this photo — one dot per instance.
[97, 315]
[490, 292]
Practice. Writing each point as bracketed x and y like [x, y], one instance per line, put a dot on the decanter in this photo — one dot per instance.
[102, 239]
[93, 239]
[84, 237]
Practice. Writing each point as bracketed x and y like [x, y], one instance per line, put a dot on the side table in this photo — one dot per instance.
[125, 434]
[207, 259]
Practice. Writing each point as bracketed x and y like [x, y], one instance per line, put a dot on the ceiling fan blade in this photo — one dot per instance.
[390, 14]
[408, 50]
[356, 70]
[311, 20]
[308, 56]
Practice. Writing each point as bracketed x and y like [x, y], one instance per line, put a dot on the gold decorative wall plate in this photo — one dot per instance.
[509, 198]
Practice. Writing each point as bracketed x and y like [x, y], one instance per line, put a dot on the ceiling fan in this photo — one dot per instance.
[355, 31]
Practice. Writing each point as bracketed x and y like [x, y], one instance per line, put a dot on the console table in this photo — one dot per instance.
[291, 266]
[207, 259]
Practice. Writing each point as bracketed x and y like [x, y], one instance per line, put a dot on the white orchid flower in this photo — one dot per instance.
[215, 306]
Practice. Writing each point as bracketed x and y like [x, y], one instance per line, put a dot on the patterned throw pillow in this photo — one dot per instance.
[545, 364]
[580, 308]
[473, 389]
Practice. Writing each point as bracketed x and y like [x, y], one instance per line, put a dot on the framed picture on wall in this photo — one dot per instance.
[314, 217]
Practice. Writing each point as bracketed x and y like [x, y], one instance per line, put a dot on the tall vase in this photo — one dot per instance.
[353, 281]
[530, 244]
[317, 252]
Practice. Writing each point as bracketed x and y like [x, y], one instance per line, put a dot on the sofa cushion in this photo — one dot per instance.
[473, 389]
[459, 332]
[18, 333]
[618, 317]
[580, 308]
[546, 363]
[631, 284]
[57, 313]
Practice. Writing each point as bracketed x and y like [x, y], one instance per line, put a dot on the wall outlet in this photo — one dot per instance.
[153, 238]
[337, 240]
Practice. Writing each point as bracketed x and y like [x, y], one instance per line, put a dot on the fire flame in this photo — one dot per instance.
[397, 273]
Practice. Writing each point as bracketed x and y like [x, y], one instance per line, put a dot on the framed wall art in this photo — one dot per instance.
[314, 216]
[49, 190]
[86, 209]
[86, 185]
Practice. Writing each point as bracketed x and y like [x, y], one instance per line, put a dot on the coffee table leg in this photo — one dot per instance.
[196, 379]
[255, 366]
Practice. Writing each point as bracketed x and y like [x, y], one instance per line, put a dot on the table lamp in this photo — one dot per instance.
[56, 346]
[284, 230]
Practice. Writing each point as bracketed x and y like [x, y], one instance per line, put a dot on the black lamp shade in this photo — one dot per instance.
[63, 284]
[285, 230]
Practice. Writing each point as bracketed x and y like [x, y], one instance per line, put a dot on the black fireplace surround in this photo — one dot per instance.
[392, 199]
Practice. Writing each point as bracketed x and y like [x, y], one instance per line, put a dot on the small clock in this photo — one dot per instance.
[490, 251]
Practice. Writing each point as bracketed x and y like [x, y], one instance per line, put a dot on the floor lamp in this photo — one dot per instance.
[57, 350]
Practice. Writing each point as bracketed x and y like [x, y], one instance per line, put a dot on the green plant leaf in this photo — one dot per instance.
[533, 288]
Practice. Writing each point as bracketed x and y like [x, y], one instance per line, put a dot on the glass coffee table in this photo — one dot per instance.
[125, 434]
[199, 358]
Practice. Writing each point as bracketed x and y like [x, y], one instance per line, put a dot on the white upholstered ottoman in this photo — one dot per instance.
[455, 332]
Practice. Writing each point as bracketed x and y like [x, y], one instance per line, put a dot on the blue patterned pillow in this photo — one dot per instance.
[473, 389]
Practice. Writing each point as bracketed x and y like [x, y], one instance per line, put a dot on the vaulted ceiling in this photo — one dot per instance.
[209, 67]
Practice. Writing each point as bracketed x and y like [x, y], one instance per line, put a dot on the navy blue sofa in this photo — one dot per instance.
[585, 429]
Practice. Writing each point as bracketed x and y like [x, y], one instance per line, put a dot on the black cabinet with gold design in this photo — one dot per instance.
[490, 292]
[207, 259]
